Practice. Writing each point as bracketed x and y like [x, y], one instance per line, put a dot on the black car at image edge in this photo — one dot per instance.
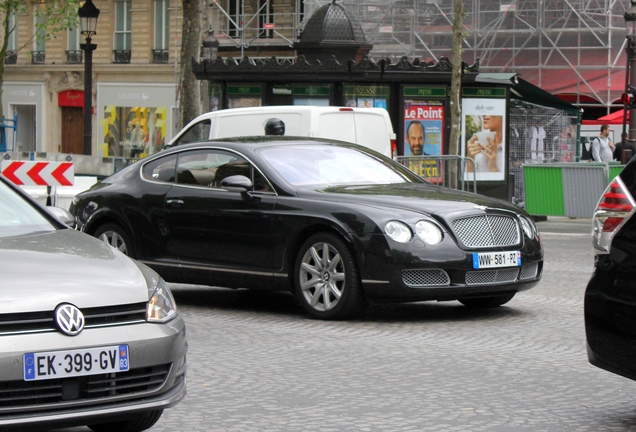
[335, 223]
[610, 297]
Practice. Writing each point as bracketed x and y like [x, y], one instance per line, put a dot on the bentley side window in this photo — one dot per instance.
[160, 169]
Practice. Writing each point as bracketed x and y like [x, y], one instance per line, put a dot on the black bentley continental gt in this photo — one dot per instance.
[338, 224]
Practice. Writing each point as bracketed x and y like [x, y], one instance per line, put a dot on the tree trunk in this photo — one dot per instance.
[189, 95]
[3, 51]
[456, 87]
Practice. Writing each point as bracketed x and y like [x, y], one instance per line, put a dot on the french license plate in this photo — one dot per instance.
[496, 259]
[71, 363]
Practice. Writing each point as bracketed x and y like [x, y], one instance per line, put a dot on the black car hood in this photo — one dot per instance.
[419, 197]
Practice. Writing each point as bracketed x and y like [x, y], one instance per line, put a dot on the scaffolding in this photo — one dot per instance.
[569, 47]
[573, 48]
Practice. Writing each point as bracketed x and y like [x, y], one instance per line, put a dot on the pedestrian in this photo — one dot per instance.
[602, 146]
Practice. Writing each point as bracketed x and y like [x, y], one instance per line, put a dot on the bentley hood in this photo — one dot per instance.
[418, 197]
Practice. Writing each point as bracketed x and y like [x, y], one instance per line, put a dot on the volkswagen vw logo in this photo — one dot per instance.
[70, 320]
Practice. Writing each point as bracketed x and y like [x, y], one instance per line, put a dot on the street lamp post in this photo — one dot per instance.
[88, 15]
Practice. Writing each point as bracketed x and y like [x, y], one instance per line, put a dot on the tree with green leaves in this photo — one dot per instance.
[50, 18]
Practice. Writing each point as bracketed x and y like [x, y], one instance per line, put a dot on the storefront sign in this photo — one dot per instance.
[494, 92]
[71, 98]
[424, 91]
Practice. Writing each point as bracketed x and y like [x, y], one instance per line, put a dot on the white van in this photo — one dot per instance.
[370, 127]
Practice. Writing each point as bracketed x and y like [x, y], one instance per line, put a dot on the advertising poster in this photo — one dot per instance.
[424, 136]
[483, 137]
[133, 132]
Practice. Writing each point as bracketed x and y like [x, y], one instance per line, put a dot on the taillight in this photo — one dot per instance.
[394, 152]
[615, 206]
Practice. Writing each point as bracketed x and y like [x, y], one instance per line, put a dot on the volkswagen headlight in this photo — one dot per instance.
[161, 306]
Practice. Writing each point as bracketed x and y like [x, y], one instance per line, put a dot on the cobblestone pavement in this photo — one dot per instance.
[258, 363]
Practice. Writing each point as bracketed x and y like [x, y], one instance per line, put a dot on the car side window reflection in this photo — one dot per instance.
[161, 169]
[210, 167]
[197, 132]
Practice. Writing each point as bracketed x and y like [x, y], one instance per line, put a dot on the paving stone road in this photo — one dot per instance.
[258, 363]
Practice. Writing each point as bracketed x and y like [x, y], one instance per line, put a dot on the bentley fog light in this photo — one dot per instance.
[428, 232]
[398, 231]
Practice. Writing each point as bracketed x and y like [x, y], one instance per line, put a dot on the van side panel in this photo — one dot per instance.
[336, 125]
[252, 124]
[372, 131]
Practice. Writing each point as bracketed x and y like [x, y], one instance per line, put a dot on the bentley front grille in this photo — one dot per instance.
[487, 231]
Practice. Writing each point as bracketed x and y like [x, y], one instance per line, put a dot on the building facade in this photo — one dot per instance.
[134, 73]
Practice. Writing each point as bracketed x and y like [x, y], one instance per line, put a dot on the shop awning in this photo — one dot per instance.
[524, 90]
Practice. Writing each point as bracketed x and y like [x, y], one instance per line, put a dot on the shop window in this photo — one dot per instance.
[133, 132]
[160, 52]
[122, 36]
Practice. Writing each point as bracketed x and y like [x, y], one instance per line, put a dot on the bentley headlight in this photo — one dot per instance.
[161, 306]
[527, 227]
[428, 232]
[398, 231]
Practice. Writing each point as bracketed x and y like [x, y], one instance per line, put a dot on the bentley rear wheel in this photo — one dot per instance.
[115, 236]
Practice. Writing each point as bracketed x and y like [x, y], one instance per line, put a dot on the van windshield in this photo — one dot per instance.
[327, 165]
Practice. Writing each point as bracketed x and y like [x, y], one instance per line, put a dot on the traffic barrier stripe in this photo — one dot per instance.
[41, 173]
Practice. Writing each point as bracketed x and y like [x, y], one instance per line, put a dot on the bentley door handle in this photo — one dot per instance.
[174, 203]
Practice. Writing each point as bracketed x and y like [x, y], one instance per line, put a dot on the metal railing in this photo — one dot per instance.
[38, 57]
[74, 56]
[121, 56]
[160, 56]
[447, 170]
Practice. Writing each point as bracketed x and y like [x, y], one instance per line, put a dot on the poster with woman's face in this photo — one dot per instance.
[483, 137]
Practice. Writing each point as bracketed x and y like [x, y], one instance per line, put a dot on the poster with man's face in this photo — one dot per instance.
[423, 127]
[483, 137]
[423, 136]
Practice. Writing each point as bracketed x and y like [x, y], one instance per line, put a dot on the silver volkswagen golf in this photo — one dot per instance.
[87, 335]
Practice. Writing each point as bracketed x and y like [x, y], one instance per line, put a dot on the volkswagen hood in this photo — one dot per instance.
[42, 270]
